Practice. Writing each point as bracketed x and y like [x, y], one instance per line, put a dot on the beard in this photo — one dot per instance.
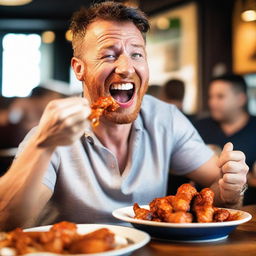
[122, 117]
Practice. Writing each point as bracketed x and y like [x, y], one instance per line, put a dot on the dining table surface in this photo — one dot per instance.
[241, 241]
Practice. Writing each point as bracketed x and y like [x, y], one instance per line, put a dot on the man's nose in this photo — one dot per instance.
[124, 66]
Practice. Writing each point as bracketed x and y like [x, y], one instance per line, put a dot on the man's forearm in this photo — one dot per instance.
[21, 186]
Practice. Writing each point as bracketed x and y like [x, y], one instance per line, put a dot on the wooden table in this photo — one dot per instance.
[242, 242]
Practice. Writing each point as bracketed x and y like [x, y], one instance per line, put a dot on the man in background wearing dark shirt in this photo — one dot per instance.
[230, 121]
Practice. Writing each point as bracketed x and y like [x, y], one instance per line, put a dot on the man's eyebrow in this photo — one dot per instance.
[138, 46]
[114, 46]
[108, 46]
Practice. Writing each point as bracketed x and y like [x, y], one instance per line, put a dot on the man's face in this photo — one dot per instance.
[224, 102]
[114, 60]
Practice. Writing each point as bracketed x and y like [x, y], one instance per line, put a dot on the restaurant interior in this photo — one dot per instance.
[189, 40]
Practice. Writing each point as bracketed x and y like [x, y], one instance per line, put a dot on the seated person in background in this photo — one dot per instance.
[230, 121]
[22, 114]
[154, 90]
[85, 172]
[173, 92]
[8, 135]
[26, 112]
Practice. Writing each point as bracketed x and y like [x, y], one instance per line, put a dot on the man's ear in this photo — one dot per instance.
[78, 67]
[242, 99]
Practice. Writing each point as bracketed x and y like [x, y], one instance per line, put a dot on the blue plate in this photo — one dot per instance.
[183, 232]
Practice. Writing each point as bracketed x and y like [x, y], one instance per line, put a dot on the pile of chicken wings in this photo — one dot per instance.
[188, 205]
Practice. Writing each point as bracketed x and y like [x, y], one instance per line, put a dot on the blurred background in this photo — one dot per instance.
[193, 41]
[189, 40]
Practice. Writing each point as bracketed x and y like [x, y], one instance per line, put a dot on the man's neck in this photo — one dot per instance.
[235, 124]
[115, 137]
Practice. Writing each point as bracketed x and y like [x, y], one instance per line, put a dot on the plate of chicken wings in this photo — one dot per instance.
[67, 238]
[188, 216]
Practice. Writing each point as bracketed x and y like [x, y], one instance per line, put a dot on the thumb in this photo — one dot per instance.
[228, 147]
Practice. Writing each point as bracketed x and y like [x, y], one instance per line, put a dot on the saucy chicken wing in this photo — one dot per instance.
[179, 217]
[98, 241]
[203, 205]
[99, 107]
[161, 208]
[220, 215]
[181, 201]
[141, 213]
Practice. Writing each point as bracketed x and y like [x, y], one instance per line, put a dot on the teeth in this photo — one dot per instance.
[126, 86]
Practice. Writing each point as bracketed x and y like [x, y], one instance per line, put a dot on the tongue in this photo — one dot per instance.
[120, 96]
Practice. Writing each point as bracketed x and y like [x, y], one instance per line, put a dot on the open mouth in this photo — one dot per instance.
[122, 92]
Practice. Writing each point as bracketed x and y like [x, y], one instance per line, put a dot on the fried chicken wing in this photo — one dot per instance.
[141, 213]
[181, 201]
[220, 215]
[98, 241]
[203, 205]
[161, 208]
[179, 217]
[100, 106]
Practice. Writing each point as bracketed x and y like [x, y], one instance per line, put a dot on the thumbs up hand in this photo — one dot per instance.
[234, 171]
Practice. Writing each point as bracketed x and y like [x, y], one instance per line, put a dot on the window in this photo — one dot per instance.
[21, 64]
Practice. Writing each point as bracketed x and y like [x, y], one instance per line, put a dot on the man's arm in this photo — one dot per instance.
[22, 193]
[225, 174]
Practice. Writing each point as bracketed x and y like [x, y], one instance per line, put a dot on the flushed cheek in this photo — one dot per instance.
[143, 74]
[97, 84]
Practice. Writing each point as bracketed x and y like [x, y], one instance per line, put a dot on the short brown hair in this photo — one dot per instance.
[108, 10]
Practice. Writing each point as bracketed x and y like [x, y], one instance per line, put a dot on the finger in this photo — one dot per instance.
[230, 156]
[232, 178]
[229, 190]
[232, 167]
[228, 147]
[76, 120]
[74, 110]
[66, 103]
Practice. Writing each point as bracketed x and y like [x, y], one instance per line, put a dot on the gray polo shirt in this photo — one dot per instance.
[85, 179]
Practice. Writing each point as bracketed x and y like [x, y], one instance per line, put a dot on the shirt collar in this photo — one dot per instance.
[92, 138]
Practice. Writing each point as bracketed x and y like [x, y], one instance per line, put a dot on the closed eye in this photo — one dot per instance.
[137, 55]
[109, 56]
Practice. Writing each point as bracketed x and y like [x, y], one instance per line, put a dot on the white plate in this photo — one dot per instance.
[133, 239]
[182, 232]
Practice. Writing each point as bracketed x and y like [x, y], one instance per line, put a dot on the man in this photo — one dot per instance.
[230, 121]
[126, 158]
[173, 92]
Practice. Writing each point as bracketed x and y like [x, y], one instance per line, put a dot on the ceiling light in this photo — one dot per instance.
[14, 2]
[48, 37]
[248, 15]
[163, 23]
[68, 35]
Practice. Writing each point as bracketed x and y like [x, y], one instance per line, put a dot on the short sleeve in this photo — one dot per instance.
[50, 176]
[189, 151]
